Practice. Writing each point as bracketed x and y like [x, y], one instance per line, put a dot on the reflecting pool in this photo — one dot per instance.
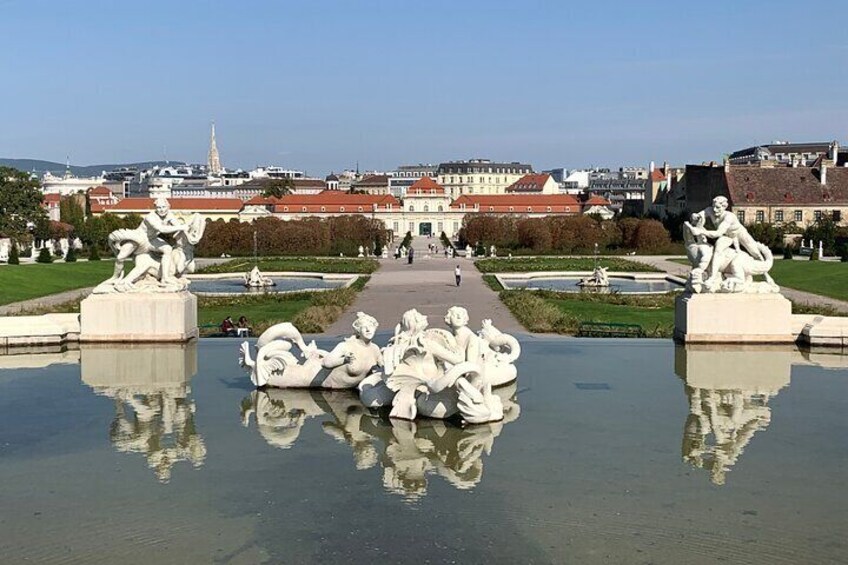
[611, 451]
[235, 285]
[642, 284]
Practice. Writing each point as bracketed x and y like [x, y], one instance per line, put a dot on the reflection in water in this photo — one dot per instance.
[407, 451]
[728, 390]
[154, 412]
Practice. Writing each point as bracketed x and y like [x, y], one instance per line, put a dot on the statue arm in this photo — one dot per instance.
[158, 224]
[337, 357]
[723, 226]
[443, 353]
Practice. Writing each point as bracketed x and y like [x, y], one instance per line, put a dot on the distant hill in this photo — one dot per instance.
[40, 167]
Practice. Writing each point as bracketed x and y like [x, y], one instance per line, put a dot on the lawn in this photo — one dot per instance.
[527, 264]
[23, 282]
[558, 312]
[311, 312]
[297, 264]
[827, 278]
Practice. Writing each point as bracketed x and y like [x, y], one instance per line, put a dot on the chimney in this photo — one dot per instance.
[665, 168]
[834, 152]
[823, 174]
[651, 167]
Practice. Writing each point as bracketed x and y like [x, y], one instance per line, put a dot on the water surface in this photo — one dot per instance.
[612, 451]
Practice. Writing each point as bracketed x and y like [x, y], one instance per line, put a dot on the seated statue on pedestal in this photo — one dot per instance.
[598, 278]
[255, 279]
[163, 249]
[723, 254]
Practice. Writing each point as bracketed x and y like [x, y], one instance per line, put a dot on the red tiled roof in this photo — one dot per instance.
[99, 191]
[333, 201]
[529, 183]
[52, 198]
[787, 185]
[596, 200]
[519, 203]
[260, 200]
[177, 204]
[657, 175]
[374, 180]
[425, 186]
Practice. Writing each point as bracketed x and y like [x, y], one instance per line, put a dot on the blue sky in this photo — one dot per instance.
[321, 84]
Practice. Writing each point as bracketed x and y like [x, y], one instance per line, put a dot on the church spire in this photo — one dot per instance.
[214, 161]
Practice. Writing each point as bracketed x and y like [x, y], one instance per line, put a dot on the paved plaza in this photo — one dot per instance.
[427, 285]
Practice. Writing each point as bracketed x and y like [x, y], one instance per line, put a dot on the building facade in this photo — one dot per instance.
[479, 176]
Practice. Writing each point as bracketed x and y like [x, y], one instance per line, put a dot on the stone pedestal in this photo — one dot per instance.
[142, 317]
[733, 318]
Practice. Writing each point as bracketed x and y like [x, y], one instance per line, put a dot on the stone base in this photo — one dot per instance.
[733, 318]
[170, 317]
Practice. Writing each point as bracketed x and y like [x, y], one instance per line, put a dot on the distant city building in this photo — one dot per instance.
[784, 153]
[779, 195]
[575, 183]
[332, 182]
[373, 184]
[558, 175]
[67, 184]
[534, 184]
[214, 160]
[405, 175]
[479, 176]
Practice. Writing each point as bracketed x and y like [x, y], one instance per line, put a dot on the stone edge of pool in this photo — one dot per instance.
[505, 278]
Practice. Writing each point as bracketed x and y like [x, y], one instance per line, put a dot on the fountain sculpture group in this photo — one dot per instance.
[422, 371]
[255, 279]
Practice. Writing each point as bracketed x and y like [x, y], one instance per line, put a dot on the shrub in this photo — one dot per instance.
[93, 255]
[378, 247]
[44, 256]
[71, 255]
[14, 257]
[787, 253]
[814, 256]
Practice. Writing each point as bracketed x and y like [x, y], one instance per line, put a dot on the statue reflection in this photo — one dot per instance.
[729, 389]
[154, 411]
[408, 452]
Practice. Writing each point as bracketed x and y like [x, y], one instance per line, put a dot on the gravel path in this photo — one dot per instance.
[427, 285]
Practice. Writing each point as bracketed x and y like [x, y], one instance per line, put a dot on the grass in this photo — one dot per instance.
[24, 282]
[297, 264]
[526, 264]
[311, 312]
[559, 312]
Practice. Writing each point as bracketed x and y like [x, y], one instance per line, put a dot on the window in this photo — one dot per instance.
[778, 215]
[455, 227]
[441, 208]
[529, 208]
[799, 216]
[285, 208]
[395, 227]
[836, 215]
[439, 227]
[511, 209]
[303, 209]
[549, 209]
[411, 208]
[426, 208]
[341, 209]
[411, 226]
[741, 215]
[491, 208]
[817, 215]
[760, 215]
[359, 209]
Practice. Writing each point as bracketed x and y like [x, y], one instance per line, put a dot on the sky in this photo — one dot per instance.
[322, 85]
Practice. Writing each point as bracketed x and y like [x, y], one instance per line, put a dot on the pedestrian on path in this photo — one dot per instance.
[458, 274]
[410, 256]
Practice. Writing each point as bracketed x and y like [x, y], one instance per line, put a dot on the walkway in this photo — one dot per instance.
[427, 285]
[799, 296]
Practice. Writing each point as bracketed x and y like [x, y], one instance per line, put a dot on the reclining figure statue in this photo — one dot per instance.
[160, 265]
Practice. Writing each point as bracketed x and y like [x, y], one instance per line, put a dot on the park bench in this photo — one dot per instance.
[607, 329]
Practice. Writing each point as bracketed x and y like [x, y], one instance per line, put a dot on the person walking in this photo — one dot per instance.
[410, 256]
[458, 274]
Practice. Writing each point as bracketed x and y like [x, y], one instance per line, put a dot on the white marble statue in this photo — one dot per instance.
[469, 252]
[361, 251]
[493, 252]
[163, 249]
[255, 279]
[442, 374]
[724, 256]
[343, 367]
[598, 278]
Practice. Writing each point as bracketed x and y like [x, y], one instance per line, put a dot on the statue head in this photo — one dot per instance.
[456, 317]
[365, 326]
[720, 204]
[162, 206]
[413, 321]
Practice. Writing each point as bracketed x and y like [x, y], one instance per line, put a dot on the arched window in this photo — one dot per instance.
[441, 208]
[426, 208]
[411, 208]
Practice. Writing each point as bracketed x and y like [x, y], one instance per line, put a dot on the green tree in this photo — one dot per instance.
[44, 256]
[14, 257]
[277, 187]
[20, 202]
[93, 254]
[71, 255]
[71, 212]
